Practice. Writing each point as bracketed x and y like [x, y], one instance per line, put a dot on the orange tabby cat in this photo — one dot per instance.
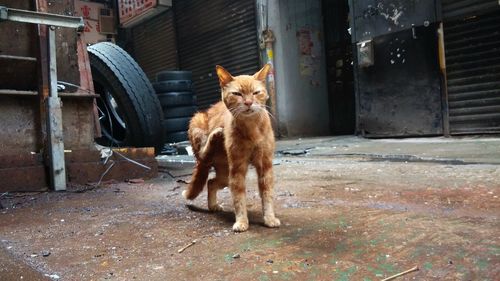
[229, 136]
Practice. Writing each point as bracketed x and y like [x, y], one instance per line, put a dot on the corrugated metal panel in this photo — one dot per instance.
[473, 72]
[463, 8]
[154, 46]
[216, 32]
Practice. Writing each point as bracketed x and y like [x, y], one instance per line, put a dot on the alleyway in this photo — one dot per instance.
[351, 209]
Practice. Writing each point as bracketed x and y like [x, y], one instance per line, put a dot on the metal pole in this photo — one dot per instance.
[444, 82]
[54, 121]
[269, 41]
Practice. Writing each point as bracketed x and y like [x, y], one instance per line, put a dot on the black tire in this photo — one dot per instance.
[176, 124]
[176, 137]
[130, 111]
[176, 99]
[173, 86]
[181, 111]
[167, 75]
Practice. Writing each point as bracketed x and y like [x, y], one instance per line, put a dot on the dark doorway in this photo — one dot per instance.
[339, 66]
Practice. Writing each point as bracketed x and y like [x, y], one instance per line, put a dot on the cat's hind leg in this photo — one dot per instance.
[198, 131]
[211, 142]
[220, 181]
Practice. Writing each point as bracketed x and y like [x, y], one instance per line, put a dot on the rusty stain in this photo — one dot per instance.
[343, 219]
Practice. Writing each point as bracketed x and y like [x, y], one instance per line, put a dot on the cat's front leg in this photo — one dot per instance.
[237, 172]
[266, 182]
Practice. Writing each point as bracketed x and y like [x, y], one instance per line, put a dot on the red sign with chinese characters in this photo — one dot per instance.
[130, 9]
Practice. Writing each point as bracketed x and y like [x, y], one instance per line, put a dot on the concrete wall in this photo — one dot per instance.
[300, 65]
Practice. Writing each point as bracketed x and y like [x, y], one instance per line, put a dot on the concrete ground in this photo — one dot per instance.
[351, 209]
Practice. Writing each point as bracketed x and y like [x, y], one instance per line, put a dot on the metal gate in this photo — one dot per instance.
[472, 42]
[398, 93]
[154, 44]
[216, 32]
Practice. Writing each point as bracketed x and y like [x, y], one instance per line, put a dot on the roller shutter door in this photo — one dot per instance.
[154, 44]
[216, 32]
[472, 42]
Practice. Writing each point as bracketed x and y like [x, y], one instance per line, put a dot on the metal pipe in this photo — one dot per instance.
[444, 82]
[269, 39]
[41, 18]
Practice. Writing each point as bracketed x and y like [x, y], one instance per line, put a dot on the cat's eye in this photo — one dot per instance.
[256, 93]
[237, 94]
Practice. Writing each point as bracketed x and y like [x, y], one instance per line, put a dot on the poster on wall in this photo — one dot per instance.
[310, 52]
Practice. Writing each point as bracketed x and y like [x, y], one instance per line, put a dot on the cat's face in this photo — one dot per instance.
[244, 95]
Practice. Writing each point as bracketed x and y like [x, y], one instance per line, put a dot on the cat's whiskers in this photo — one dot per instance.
[268, 110]
[234, 111]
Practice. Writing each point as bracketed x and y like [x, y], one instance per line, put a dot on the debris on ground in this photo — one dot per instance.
[343, 218]
[401, 274]
[136, 181]
[187, 246]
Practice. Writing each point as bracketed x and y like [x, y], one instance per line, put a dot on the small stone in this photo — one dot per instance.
[269, 261]
[45, 253]
[236, 256]
[136, 181]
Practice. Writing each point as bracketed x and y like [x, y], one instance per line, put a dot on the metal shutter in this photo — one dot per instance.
[464, 8]
[216, 32]
[472, 42]
[154, 45]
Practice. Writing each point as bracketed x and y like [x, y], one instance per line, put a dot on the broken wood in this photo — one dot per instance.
[401, 273]
[187, 246]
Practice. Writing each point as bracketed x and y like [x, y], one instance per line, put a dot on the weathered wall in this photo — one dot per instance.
[18, 39]
[301, 85]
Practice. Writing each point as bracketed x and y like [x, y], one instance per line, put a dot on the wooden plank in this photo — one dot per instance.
[91, 172]
[16, 92]
[23, 179]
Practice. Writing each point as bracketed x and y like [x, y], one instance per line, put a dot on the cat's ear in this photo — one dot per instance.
[262, 74]
[224, 76]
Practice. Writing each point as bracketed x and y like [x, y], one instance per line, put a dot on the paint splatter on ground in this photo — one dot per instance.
[342, 219]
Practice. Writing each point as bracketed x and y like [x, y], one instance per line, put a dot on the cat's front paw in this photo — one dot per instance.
[272, 222]
[215, 208]
[218, 130]
[240, 226]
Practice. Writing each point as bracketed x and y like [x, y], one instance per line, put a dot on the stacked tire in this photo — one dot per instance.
[174, 89]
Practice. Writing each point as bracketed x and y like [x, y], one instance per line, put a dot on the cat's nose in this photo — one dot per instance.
[248, 102]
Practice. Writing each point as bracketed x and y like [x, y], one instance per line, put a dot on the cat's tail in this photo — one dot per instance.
[198, 180]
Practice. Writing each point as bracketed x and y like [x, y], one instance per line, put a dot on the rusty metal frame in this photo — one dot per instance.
[49, 95]
[86, 82]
